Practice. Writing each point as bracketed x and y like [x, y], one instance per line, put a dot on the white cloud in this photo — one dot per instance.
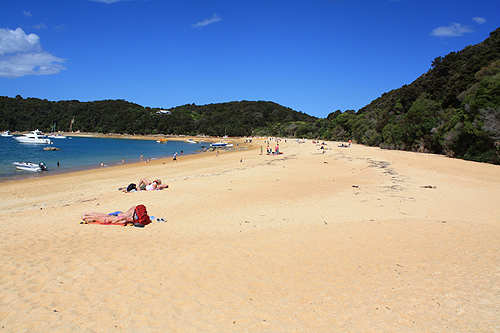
[454, 30]
[480, 20]
[215, 18]
[27, 13]
[22, 54]
[16, 41]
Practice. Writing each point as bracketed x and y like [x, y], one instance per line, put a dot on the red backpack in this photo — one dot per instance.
[141, 217]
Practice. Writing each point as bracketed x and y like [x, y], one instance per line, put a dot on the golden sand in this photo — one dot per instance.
[315, 240]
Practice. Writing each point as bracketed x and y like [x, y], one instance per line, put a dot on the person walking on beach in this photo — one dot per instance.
[175, 157]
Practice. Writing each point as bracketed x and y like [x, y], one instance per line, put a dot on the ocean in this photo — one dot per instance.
[82, 153]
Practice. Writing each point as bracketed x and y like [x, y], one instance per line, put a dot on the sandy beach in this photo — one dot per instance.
[314, 240]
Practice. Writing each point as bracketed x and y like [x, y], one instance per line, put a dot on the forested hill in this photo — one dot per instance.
[119, 116]
[452, 109]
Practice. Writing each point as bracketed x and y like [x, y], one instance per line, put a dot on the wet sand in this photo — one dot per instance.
[316, 240]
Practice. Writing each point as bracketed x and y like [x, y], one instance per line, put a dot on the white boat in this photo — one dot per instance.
[56, 136]
[28, 166]
[219, 144]
[191, 141]
[6, 134]
[33, 137]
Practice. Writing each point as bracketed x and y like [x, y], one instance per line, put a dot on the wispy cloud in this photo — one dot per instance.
[215, 18]
[22, 54]
[27, 13]
[454, 30]
[480, 20]
[40, 26]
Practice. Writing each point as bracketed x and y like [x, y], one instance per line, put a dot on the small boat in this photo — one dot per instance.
[28, 166]
[219, 144]
[56, 136]
[6, 134]
[162, 141]
[191, 141]
[33, 137]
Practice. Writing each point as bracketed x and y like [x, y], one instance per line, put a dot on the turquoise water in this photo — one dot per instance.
[80, 153]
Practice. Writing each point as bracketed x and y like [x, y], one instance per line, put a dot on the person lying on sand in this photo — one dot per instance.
[136, 215]
[145, 185]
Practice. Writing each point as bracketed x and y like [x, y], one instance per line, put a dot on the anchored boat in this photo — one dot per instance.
[33, 137]
[28, 166]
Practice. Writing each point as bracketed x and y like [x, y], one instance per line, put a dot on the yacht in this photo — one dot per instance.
[6, 134]
[33, 137]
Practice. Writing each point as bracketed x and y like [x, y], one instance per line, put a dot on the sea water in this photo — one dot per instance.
[81, 153]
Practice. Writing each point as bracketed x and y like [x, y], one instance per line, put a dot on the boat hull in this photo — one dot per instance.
[218, 144]
[28, 166]
[34, 141]
[35, 137]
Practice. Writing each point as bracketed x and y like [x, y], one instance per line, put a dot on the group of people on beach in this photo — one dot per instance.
[270, 151]
[136, 215]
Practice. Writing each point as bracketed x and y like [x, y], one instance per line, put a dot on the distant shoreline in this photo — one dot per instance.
[56, 172]
[134, 136]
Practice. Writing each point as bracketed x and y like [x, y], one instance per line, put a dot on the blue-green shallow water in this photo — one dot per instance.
[80, 153]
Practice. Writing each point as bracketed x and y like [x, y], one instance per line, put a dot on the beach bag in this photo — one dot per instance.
[141, 217]
[131, 187]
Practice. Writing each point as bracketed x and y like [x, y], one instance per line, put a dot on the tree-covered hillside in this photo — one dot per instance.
[118, 116]
[452, 109]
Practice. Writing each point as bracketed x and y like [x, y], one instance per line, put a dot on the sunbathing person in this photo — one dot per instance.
[146, 185]
[106, 218]
[136, 215]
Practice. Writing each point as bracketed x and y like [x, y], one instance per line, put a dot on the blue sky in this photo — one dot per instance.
[314, 56]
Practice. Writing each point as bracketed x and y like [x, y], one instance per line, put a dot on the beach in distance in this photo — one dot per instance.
[320, 238]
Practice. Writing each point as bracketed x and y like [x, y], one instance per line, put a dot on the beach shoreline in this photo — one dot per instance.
[53, 171]
[319, 238]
